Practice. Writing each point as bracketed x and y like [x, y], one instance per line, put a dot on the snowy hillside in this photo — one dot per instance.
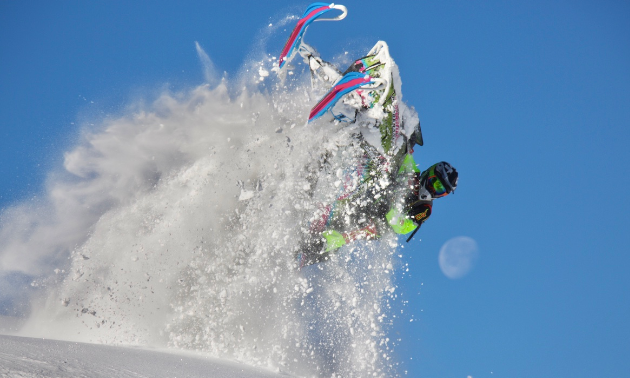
[35, 358]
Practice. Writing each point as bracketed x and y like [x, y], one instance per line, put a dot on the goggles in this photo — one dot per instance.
[435, 186]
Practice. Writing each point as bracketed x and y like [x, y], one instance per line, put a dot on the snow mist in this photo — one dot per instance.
[176, 226]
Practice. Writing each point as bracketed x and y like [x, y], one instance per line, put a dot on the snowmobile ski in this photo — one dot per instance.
[348, 83]
[312, 13]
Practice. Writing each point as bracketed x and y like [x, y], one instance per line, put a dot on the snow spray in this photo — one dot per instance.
[176, 225]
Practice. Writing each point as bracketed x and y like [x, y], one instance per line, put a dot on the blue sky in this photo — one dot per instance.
[528, 99]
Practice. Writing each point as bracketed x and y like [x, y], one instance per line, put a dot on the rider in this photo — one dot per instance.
[382, 186]
[391, 192]
[369, 214]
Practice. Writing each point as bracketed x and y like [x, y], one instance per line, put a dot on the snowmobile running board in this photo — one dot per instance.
[312, 13]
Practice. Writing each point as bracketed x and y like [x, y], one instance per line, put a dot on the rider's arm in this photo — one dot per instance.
[420, 211]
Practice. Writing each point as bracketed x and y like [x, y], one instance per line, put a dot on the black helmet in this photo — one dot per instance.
[440, 179]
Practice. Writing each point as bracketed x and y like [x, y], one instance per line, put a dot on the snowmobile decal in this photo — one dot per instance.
[312, 13]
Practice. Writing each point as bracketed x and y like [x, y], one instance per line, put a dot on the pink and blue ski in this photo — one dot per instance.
[311, 14]
[347, 84]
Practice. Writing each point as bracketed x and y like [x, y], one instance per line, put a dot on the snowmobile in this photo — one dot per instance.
[376, 183]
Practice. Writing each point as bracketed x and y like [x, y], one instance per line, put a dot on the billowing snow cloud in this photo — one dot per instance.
[176, 225]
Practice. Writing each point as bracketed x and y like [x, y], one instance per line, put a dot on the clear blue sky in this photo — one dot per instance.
[530, 100]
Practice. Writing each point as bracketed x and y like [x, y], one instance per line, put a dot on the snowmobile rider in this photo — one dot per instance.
[392, 192]
[411, 206]
[382, 186]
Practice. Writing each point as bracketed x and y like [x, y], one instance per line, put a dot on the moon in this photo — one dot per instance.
[457, 256]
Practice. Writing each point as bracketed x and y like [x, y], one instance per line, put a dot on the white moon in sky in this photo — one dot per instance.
[457, 256]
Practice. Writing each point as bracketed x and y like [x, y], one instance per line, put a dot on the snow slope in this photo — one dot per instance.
[28, 357]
